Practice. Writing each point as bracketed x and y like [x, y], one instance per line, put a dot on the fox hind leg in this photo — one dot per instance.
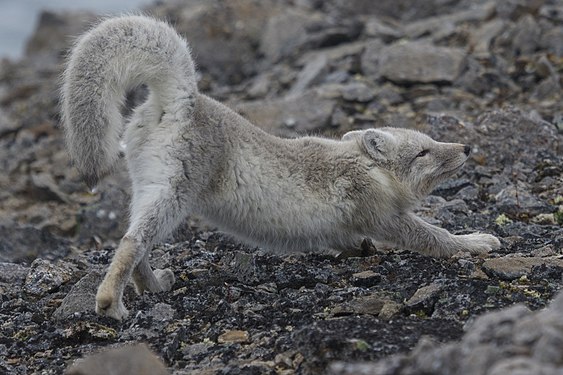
[154, 215]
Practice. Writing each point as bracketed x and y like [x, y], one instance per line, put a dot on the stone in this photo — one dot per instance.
[526, 37]
[370, 59]
[417, 62]
[311, 74]
[295, 114]
[223, 35]
[12, 273]
[234, 337]
[365, 305]
[81, 298]
[42, 187]
[366, 278]
[51, 35]
[480, 39]
[511, 268]
[357, 92]
[25, 243]
[518, 200]
[44, 277]
[376, 28]
[424, 296]
[128, 359]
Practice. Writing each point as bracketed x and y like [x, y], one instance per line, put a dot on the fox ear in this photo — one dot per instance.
[378, 144]
[351, 135]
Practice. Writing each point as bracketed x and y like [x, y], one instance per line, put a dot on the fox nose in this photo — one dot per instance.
[466, 150]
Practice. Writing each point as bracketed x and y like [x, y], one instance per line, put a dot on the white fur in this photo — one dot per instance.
[190, 155]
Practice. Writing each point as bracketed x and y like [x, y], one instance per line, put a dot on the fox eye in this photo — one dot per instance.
[422, 153]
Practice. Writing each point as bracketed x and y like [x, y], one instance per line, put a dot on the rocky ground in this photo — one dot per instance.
[485, 73]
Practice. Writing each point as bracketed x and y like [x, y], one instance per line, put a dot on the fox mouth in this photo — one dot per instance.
[451, 171]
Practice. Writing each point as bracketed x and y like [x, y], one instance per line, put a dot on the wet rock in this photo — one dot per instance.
[295, 114]
[81, 298]
[24, 244]
[510, 268]
[44, 277]
[416, 62]
[124, 360]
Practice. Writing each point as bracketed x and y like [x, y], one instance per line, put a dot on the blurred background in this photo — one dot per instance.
[18, 18]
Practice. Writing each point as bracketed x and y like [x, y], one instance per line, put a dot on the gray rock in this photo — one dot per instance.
[311, 74]
[162, 312]
[510, 268]
[81, 298]
[518, 200]
[42, 187]
[357, 92]
[424, 297]
[24, 244]
[370, 59]
[370, 305]
[124, 360]
[480, 39]
[222, 35]
[286, 32]
[12, 273]
[526, 37]
[44, 277]
[295, 114]
[416, 62]
[52, 33]
[376, 28]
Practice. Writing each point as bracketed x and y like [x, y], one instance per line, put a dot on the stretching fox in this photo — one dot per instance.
[188, 154]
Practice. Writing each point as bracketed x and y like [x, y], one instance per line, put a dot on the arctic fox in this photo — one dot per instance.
[190, 155]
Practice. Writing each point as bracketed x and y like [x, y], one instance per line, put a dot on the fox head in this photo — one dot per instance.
[418, 162]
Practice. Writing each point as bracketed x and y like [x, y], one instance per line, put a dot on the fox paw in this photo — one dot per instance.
[479, 243]
[165, 278]
[108, 304]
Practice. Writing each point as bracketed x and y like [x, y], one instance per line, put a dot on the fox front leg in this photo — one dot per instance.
[413, 233]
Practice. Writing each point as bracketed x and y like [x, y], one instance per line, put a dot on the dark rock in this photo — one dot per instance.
[526, 37]
[24, 244]
[81, 297]
[12, 273]
[510, 268]
[44, 277]
[357, 92]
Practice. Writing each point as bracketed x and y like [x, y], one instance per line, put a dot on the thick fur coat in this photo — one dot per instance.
[190, 155]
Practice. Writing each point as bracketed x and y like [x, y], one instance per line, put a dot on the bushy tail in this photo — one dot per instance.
[106, 62]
